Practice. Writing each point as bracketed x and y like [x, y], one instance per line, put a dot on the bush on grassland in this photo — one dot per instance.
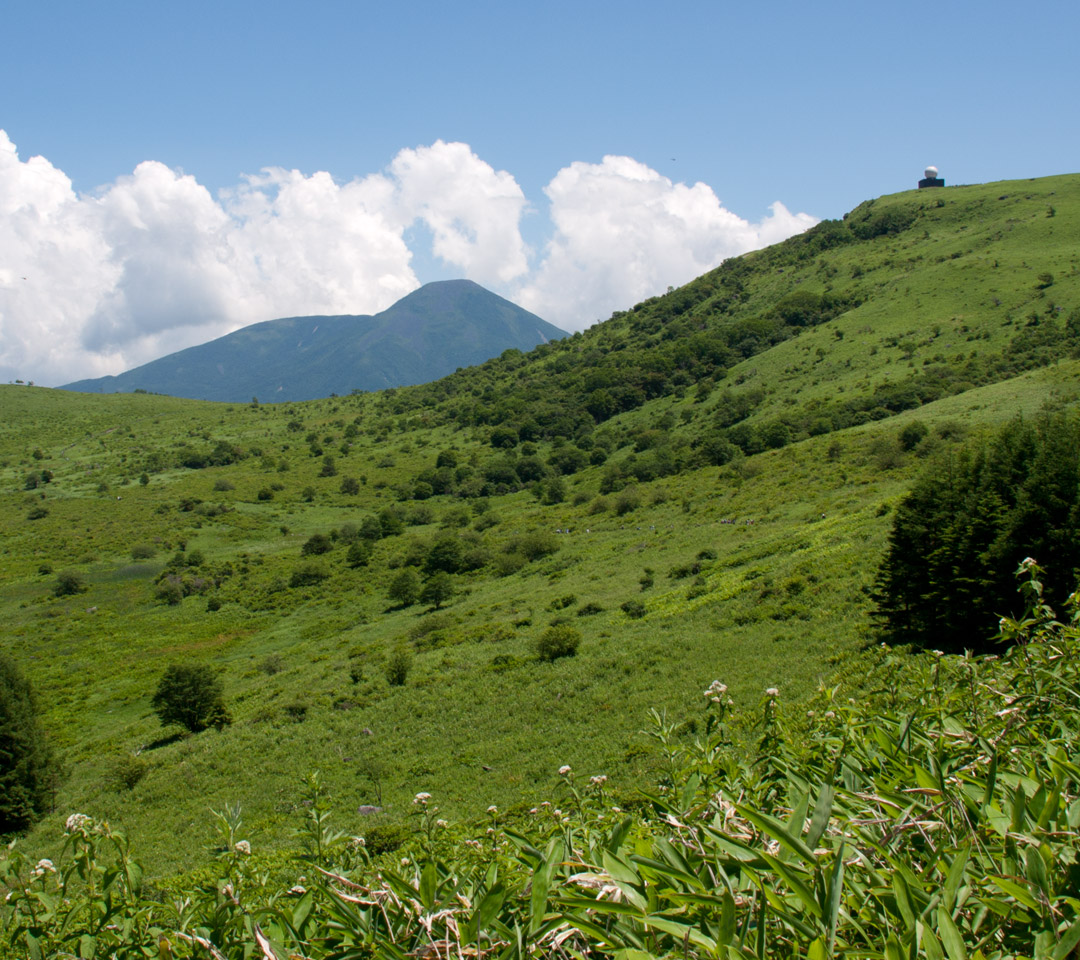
[558, 641]
[190, 695]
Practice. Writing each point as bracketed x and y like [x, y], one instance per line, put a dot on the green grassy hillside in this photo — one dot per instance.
[700, 486]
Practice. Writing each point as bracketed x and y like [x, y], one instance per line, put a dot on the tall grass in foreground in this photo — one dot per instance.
[935, 815]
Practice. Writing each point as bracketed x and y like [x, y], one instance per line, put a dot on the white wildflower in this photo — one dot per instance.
[493, 810]
[442, 823]
[45, 866]
[1027, 563]
[716, 691]
[297, 891]
[772, 692]
[422, 799]
[242, 846]
[77, 821]
[598, 781]
[564, 770]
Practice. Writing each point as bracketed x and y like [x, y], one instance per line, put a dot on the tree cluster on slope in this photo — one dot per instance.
[970, 520]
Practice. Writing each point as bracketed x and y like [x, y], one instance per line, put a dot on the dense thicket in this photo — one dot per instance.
[25, 758]
[967, 524]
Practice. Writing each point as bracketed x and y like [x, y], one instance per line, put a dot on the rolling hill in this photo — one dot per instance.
[700, 488]
[425, 335]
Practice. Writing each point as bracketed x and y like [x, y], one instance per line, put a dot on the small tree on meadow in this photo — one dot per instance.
[405, 587]
[191, 696]
[438, 589]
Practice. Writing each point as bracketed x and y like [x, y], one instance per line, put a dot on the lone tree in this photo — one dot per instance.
[438, 589]
[26, 765]
[190, 695]
[405, 587]
[967, 524]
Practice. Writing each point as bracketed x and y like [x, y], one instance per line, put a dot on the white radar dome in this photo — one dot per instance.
[931, 173]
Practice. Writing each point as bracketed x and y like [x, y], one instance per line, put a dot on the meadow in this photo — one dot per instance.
[717, 468]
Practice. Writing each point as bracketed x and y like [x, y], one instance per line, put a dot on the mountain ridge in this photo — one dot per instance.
[427, 334]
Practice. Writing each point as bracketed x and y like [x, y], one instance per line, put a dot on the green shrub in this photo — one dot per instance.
[170, 590]
[398, 666]
[68, 584]
[386, 838]
[190, 695]
[308, 575]
[143, 551]
[296, 711]
[316, 544]
[558, 641]
[359, 553]
[124, 773]
[634, 609]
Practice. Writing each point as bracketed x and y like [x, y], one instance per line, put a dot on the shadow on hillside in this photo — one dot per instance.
[164, 741]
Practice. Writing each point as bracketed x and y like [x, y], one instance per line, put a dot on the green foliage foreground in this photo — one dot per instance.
[934, 815]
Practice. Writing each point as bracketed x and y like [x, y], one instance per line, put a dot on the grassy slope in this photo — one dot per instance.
[781, 604]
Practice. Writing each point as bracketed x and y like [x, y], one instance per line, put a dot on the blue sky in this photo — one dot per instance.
[481, 128]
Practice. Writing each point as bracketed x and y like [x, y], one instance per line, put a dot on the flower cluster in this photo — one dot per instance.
[78, 823]
[716, 691]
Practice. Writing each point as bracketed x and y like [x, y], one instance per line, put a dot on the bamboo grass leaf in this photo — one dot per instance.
[950, 935]
[836, 887]
[775, 829]
[822, 811]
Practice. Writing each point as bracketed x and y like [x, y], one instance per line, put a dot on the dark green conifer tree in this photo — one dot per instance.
[969, 521]
[26, 764]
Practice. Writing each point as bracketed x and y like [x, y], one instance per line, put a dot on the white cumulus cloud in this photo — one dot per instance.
[472, 210]
[623, 232]
[98, 283]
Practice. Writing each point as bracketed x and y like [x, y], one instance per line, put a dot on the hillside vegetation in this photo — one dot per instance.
[699, 487]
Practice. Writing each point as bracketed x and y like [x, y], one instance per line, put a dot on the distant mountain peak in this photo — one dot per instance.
[426, 335]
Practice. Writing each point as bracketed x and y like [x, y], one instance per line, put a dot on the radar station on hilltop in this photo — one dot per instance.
[930, 179]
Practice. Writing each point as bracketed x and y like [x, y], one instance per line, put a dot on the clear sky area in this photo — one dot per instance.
[172, 171]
